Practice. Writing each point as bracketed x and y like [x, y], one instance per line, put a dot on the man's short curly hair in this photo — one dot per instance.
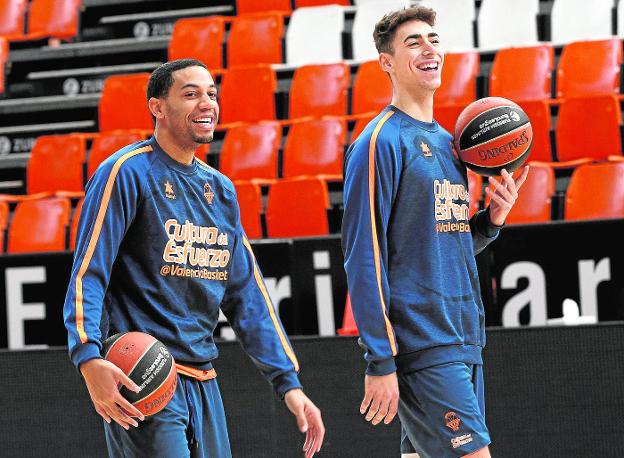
[386, 28]
[161, 79]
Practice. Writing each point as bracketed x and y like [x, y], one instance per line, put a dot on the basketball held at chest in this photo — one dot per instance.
[148, 363]
[492, 134]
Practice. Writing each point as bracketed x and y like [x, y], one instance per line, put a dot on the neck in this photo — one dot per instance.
[417, 104]
[183, 154]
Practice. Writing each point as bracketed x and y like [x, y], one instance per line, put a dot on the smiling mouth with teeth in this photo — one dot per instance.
[203, 121]
[428, 67]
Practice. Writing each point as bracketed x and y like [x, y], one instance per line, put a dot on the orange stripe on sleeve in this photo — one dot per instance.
[267, 300]
[95, 236]
[371, 197]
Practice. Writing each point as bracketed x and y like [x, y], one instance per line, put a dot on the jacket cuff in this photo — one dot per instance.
[85, 352]
[286, 382]
[485, 225]
[381, 367]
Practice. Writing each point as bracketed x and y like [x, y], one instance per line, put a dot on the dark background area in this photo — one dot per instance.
[551, 392]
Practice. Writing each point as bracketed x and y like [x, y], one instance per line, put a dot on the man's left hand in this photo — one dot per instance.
[309, 420]
[503, 195]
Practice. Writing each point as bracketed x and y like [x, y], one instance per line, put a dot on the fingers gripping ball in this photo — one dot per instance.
[492, 134]
[149, 364]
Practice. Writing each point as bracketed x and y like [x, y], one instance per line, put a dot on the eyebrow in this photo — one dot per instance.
[193, 85]
[418, 36]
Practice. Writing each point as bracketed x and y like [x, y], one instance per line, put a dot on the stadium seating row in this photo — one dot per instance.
[257, 38]
[256, 35]
[252, 153]
[315, 146]
[568, 20]
[297, 207]
[21, 20]
[521, 73]
[586, 95]
[57, 162]
[50, 216]
[248, 93]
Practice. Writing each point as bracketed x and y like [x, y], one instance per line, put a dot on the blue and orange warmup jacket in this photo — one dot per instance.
[409, 247]
[160, 249]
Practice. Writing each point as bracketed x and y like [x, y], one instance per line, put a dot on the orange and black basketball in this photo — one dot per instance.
[492, 134]
[149, 364]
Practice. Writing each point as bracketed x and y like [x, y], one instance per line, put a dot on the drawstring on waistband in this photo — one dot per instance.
[191, 375]
[193, 420]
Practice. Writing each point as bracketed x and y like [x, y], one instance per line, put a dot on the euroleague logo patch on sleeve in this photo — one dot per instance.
[452, 420]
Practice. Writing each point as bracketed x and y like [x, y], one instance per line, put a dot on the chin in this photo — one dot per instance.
[203, 139]
[431, 85]
[434, 83]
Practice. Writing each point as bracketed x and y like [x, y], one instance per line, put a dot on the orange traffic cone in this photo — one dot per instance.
[349, 328]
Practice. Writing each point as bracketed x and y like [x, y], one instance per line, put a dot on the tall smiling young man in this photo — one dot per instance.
[160, 249]
[414, 284]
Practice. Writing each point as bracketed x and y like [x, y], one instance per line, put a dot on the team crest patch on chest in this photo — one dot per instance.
[169, 192]
[425, 149]
[208, 193]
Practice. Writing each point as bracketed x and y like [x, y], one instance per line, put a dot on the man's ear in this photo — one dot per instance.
[156, 107]
[386, 61]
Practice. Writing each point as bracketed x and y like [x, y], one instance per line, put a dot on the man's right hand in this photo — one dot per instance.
[103, 379]
[381, 398]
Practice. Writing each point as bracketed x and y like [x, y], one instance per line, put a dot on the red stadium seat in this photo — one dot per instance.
[475, 190]
[360, 125]
[446, 115]
[198, 38]
[372, 89]
[56, 164]
[249, 196]
[254, 6]
[106, 144]
[534, 198]
[202, 151]
[459, 79]
[315, 147]
[589, 128]
[4, 57]
[73, 231]
[39, 225]
[320, 90]
[248, 94]
[53, 18]
[255, 39]
[12, 14]
[458, 87]
[538, 112]
[596, 191]
[123, 105]
[588, 68]
[250, 151]
[297, 208]
[4, 220]
[4, 215]
[523, 73]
